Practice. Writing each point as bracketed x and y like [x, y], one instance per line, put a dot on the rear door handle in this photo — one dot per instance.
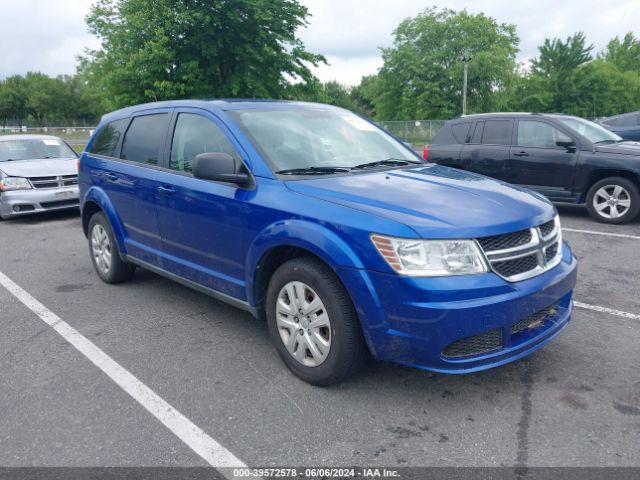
[111, 177]
[166, 190]
[521, 154]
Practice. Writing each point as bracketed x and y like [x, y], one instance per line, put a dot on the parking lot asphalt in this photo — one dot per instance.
[575, 402]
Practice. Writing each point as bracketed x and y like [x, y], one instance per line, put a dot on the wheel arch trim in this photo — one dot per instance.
[98, 197]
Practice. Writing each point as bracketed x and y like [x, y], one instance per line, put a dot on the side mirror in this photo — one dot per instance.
[220, 167]
[567, 143]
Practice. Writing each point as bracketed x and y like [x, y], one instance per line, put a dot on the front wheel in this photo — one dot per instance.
[613, 200]
[313, 323]
[104, 252]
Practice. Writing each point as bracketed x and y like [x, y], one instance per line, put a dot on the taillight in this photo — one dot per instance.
[78, 166]
[425, 153]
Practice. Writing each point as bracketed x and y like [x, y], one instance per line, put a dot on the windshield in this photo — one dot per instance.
[592, 131]
[34, 149]
[326, 140]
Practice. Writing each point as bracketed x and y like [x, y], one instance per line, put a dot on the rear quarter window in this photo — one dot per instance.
[108, 138]
[460, 132]
[452, 133]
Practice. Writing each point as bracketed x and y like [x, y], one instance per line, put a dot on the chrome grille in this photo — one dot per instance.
[524, 254]
[509, 268]
[547, 228]
[551, 251]
[510, 240]
[54, 181]
[68, 180]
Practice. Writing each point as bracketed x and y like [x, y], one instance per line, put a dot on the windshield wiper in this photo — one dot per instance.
[313, 171]
[601, 142]
[389, 162]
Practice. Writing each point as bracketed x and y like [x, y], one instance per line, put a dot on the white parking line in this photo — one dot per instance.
[604, 234]
[206, 447]
[610, 311]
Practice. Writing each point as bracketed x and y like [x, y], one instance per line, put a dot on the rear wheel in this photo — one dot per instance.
[104, 252]
[613, 200]
[312, 322]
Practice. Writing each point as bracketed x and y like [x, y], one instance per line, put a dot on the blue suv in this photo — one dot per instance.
[336, 233]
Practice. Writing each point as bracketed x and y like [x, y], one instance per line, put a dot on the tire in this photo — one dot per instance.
[335, 318]
[104, 252]
[613, 194]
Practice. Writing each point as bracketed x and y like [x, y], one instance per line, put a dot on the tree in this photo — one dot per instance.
[165, 49]
[423, 72]
[530, 93]
[555, 70]
[44, 97]
[603, 90]
[623, 54]
[558, 57]
[81, 101]
[13, 100]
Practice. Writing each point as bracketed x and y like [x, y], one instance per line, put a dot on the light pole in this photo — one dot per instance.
[465, 58]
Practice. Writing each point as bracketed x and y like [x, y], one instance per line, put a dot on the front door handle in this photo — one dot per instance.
[521, 154]
[111, 177]
[166, 190]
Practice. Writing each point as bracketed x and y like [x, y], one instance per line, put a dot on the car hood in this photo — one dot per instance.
[45, 167]
[435, 201]
[625, 148]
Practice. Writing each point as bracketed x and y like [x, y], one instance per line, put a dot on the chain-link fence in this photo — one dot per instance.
[416, 132]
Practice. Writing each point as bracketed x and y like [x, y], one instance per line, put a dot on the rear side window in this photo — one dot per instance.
[496, 132]
[144, 140]
[108, 137]
[195, 134]
[477, 133]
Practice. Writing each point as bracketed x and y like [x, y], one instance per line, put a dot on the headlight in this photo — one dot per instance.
[14, 183]
[431, 258]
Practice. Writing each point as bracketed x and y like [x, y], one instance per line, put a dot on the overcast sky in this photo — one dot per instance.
[46, 35]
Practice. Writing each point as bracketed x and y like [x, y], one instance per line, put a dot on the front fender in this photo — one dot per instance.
[316, 238]
[99, 197]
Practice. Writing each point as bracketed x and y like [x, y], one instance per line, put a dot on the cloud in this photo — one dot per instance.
[43, 36]
[46, 36]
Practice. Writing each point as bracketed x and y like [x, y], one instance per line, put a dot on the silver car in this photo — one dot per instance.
[37, 173]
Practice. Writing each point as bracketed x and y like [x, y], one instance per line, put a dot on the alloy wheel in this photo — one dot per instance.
[612, 201]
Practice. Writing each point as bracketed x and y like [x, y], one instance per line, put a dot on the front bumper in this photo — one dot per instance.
[23, 202]
[414, 321]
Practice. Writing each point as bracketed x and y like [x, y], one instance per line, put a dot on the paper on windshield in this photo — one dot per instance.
[358, 123]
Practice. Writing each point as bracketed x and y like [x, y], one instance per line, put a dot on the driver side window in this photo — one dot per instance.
[195, 134]
[539, 134]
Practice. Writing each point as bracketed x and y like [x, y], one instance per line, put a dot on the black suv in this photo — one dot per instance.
[567, 159]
